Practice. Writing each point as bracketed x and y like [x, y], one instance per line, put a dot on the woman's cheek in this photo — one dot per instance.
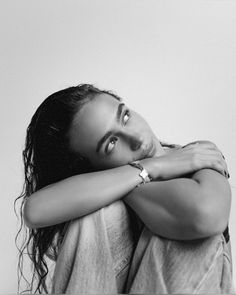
[119, 158]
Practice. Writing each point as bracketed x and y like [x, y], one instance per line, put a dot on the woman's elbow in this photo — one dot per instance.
[213, 218]
[29, 215]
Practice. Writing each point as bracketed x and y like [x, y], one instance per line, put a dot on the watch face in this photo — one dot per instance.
[144, 174]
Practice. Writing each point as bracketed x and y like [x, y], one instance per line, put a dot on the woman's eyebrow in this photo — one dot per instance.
[108, 134]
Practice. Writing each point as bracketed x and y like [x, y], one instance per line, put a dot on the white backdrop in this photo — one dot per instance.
[172, 61]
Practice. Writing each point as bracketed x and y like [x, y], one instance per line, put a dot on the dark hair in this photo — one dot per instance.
[47, 159]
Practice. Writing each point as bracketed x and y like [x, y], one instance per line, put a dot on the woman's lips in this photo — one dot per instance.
[149, 151]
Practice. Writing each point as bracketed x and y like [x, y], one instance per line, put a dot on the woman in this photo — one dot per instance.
[84, 142]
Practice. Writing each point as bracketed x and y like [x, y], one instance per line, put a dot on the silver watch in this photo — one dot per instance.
[143, 174]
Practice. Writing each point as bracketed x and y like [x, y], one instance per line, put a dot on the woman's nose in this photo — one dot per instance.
[134, 140]
[135, 143]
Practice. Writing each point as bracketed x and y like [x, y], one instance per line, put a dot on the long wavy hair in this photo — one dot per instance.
[48, 159]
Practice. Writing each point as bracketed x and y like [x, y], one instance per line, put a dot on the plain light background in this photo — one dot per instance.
[174, 62]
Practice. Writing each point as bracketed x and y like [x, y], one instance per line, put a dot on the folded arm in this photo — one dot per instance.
[184, 208]
[180, 208]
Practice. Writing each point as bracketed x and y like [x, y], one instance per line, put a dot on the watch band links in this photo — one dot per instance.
[143, 174]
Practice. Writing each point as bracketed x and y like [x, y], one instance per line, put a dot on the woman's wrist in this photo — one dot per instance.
[145, 177]
[152, 166]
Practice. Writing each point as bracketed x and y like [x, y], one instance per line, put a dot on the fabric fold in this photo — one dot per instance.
[158, 265]
[84, 262]
[165, 266]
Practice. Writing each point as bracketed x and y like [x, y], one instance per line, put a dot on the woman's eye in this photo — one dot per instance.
[126, 117]
[111, 145]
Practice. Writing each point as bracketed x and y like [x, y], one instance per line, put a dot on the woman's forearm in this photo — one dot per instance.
[78, 195]
[184, 208]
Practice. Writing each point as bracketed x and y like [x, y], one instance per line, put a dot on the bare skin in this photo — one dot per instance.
[172, 205]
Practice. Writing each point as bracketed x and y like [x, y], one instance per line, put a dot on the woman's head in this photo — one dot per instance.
[109, 133]
[48, 141]
[82, 129]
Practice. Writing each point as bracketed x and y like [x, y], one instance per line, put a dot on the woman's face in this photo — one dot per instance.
[110, 134]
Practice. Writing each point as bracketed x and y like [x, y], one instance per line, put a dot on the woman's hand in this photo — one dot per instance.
[190, 158]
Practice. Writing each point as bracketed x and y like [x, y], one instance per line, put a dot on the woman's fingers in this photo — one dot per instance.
[216, 162]
[221, 164]
[190, 158]
[201, 143]
[213, 157]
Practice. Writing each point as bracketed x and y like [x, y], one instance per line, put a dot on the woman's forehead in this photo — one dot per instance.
[97, 112]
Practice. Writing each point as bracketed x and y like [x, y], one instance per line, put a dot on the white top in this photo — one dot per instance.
[123, 230]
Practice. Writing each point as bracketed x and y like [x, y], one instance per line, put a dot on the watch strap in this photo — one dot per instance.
[143, 174]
